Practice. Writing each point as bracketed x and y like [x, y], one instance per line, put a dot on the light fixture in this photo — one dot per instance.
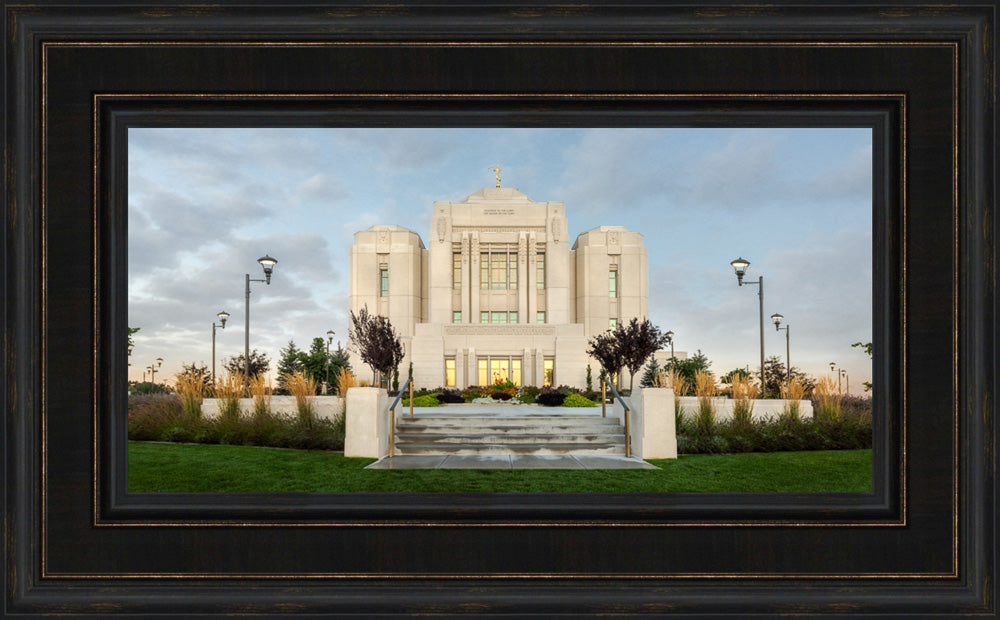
[268, 264]
[740, 265]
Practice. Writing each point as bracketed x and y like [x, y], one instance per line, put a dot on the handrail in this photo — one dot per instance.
[392, 415]
[628, 436]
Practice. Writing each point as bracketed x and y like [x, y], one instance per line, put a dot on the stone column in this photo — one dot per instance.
[470, 366]
[532, 281]
[474, 285]
[461, 368]
[522, 279]
[466, 280]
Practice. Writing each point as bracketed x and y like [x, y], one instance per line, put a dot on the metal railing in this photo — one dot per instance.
[392, 415]
[628, 435]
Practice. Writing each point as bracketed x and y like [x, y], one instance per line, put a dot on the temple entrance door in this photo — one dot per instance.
[495, 368]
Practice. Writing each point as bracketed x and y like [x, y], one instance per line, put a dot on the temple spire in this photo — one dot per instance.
[496, 169]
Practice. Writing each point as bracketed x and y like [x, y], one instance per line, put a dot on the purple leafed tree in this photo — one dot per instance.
[374, 339]
[606, 349]
[637, 341]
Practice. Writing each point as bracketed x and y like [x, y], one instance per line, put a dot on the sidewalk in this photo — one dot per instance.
[510, 461]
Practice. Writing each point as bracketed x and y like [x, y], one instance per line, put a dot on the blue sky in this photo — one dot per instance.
[204, 204]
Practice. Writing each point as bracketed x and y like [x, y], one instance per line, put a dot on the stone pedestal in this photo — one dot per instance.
[367, 432]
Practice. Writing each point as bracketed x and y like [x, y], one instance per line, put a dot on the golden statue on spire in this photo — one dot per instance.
[497, 171]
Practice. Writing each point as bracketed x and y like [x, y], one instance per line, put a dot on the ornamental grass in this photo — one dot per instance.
[303, 388]
[704, 389]
[829, 399]
[744, 393]
[345, 380]
[191, 390]
[676, 382]
[229, 389]
[261, 390]
[793, 392]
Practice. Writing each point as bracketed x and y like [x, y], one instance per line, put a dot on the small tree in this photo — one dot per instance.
[688, 368]
[590, 380]
[131, 343]
[867, 348]
[777, 376]
[194, 375]
[376, 342]
[606, 349]
[260, 364]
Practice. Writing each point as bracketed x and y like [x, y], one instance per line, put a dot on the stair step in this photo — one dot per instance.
[538, 449]
[511, 421]
[514, 439]
[539, 429]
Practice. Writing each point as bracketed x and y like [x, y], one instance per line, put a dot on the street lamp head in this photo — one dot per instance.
[832, 364]
[222, 317]
[777, 318]
[329, 336]
[670, 336]
[740, 265]
[159, 362]
[268, 264]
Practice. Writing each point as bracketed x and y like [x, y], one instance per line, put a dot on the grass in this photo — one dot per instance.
[161, 467]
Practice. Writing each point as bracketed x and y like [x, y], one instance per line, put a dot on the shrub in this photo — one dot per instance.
[426, 400]
[163, 419]
[550, 398]
[139, 388]
[575, 400]
[501, 395]
[450, 396]
[471, 393]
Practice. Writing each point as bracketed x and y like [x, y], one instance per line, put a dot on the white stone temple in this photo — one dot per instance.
[498, 290]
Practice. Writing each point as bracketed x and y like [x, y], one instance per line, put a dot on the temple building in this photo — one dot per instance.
[498, 291]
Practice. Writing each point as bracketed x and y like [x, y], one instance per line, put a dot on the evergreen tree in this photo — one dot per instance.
[291, 360]
[649, 376]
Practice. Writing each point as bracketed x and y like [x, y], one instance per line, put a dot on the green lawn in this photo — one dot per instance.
[163, 467]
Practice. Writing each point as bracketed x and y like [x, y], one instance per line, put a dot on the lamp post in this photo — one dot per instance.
[777, 318]
[847, 381]
[329, 340]
[267, 263]
[222, 318]
[152, 370]
[670, 337]
[838, 371]
[740, 265]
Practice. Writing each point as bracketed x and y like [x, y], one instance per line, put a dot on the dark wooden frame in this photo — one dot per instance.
[923, 542]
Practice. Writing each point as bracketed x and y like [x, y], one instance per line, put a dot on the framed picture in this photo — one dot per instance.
[80, 79]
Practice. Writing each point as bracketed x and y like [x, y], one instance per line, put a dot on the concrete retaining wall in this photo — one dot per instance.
[651, 423]
[328, 407]
[763, 409]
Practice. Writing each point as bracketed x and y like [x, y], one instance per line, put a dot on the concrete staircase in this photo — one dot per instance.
[467, 433]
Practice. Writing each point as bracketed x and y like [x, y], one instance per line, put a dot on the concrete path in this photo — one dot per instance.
[510, 461]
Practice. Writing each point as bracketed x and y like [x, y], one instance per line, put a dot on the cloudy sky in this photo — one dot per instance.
[204, 204]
